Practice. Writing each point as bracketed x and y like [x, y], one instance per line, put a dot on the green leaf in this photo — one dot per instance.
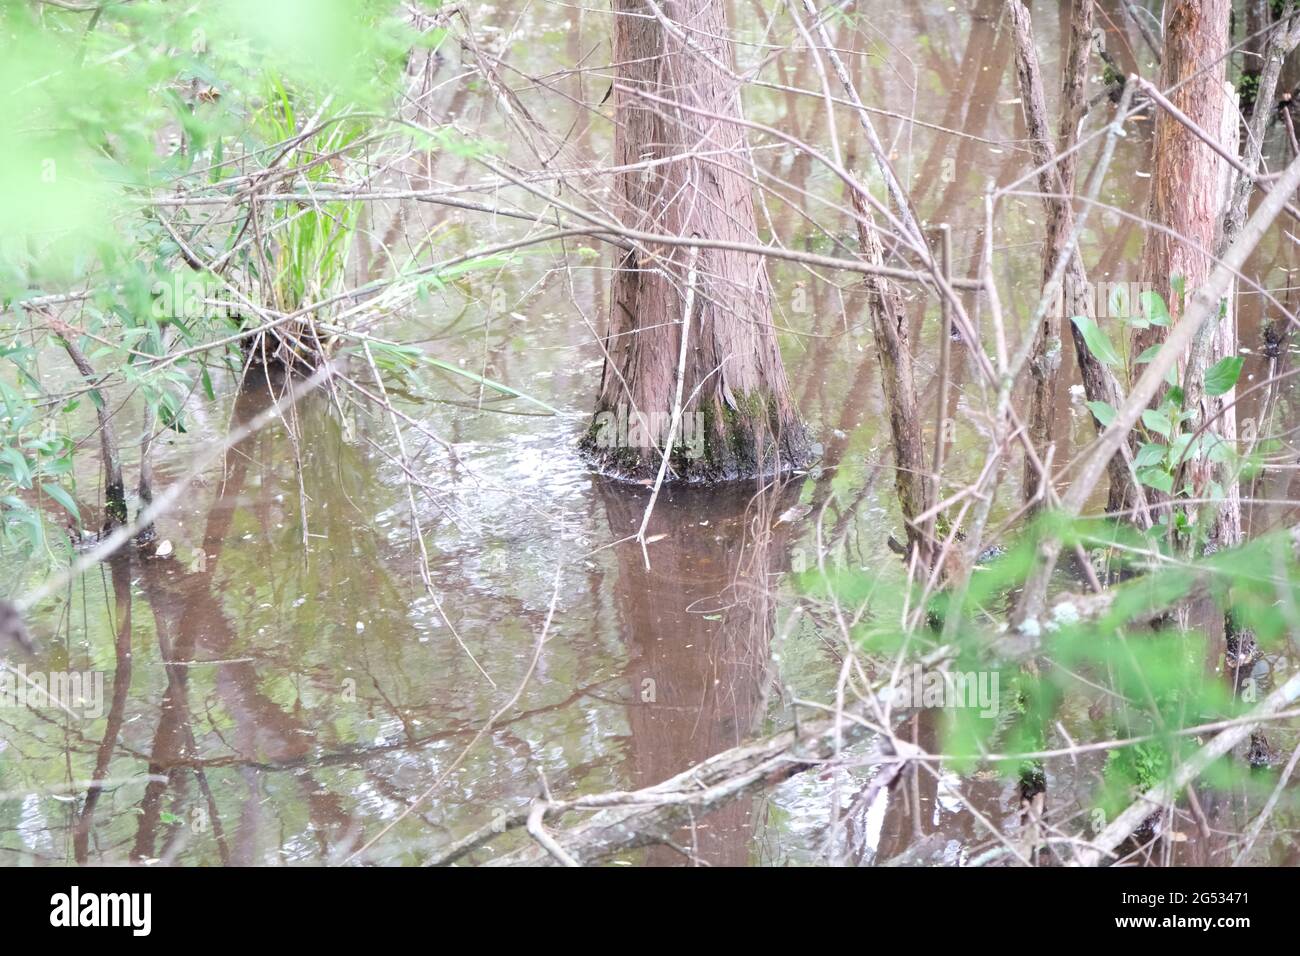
[498, 386]
[1220, 451]
[1178, 450]
[1149, 454]
[18, 467]
[1158, 422]
[1223, 375]
[1103, 412]
[1157, 478]
[1097, 340]
[1117, 302]
[59, 494]
[1155, 310]
[1148, 354]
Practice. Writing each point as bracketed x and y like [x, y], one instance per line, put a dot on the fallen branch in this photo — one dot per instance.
[651, 816]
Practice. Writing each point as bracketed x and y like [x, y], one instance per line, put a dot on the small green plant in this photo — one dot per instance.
[310, 241]
[1168, 440]
[35, 461]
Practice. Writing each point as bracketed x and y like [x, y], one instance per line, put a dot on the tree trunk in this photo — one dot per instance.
[738, 419]
[898, 382]
[1220, 341]
[1057, 182]
[1186, 174]
[1217, 413]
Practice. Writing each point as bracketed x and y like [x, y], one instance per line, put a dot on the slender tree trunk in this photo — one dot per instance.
[898, 381]
[1186, 174]
[1220, 341]
[1057, 183]
[114, 487]
[1217, 413]
[735, 396]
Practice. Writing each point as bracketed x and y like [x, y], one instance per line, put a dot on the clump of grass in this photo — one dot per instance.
[304, 257]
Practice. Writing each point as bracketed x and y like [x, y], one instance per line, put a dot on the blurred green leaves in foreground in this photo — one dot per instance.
[106, 105]
[1138, 670]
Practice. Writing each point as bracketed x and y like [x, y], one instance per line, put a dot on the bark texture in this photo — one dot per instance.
[1220, 341]
[1217, 341]
[1186, 173]
[898, 382]
[734, 379]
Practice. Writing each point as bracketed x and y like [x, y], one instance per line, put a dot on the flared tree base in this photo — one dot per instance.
[712, 444]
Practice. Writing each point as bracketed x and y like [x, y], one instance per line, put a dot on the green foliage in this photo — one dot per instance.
[1099, 343]
[1149, 681]
[1223, 375]
[1153, 308]
[86, 99]
[1104, 412]
[35, 460]
[1166, 443]
[1130, 771]
[109, 107]
[311, 242]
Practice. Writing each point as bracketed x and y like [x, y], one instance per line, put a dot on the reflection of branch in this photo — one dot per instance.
[121, 576]
[483, 731]
[416, 530]
[76, 786]
[169, 498]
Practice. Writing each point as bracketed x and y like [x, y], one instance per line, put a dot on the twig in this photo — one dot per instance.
[667, 452]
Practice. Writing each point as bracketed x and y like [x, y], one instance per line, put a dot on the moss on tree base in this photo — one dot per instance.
[714, 442]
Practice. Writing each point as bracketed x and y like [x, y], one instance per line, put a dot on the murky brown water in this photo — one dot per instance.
[283, 684]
